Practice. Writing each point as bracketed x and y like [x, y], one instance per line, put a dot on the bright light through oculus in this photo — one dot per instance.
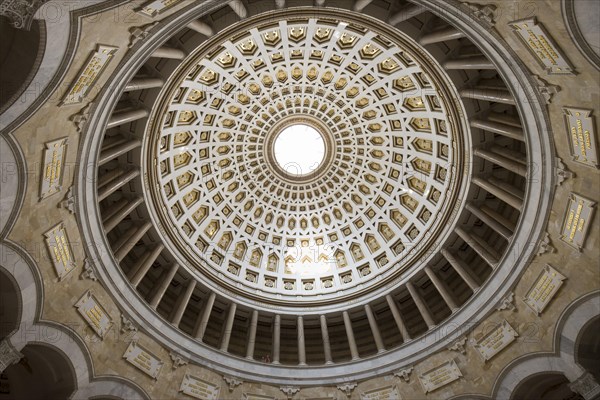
[299, 150]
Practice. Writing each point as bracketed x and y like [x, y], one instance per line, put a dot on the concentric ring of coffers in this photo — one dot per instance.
[396, 155]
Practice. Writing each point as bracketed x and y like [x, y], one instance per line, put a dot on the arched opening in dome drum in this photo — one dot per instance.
[299, 150]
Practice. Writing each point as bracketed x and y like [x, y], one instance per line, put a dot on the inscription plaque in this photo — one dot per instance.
[385, 393]
[577, 220]
[533, 34]
[545, 288]
[143, 359]
[60, 250]
[199, 389]
[440, 376]
[495, 341]
[250, 396]
[52, 170]
[582, 135]
[155, 7]
[94, 314]
[89, 74]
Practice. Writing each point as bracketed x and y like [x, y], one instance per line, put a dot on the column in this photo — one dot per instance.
[276, 338]
[120, 149]
[319, 3]
[124, 237]
[441, 288]
[491, 95]
[169, 52]
[506, 197]
[470, 62]
[131, 241]
[374, 329]
[201, 27]
[420, 305]
[360, 4]
[397, 317]
[111, 210]
[350, 335]
[507, 187]
[460, 270]
[508, 224]
[238, 7]
[325, 337]
[252, 335]
[586, 386]
[123, 117]
[143, 83]
[118, 216]
[202, 322]
[9, 355]
[280, 4]
[406, 13]
[228, 327]
[502, 161]
[165, 280]
[508, 131]
[441, 35]
[301, 341]
[489, 221]
[182, 302]
[137, 273]
[484, 251]
[116, 183]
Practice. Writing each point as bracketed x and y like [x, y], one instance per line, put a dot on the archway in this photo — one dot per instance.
[587, 350]
[545, 386]
[43, 373]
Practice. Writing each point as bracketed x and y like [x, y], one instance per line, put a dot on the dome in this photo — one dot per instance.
[392, 166]
[270, 199]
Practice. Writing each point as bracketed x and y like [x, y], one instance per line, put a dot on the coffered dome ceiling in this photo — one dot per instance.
[393, 161]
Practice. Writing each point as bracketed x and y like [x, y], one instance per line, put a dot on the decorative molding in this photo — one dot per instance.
[507, 303]
[68, 203]
[81, 118]
[232, 382]
[88, 271]
[140, 33]
[178, 360]
[486, 12]
[127, 325]
[8, 355]
[404, 373]
[347, 388]
[20, 13]
[546, 89]
[459, 346]
[562, 173]
[586, 386]
[545, 245]
[289, 391]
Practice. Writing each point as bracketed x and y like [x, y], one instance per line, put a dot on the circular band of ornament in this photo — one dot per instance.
[395, 161]
[313, 175]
